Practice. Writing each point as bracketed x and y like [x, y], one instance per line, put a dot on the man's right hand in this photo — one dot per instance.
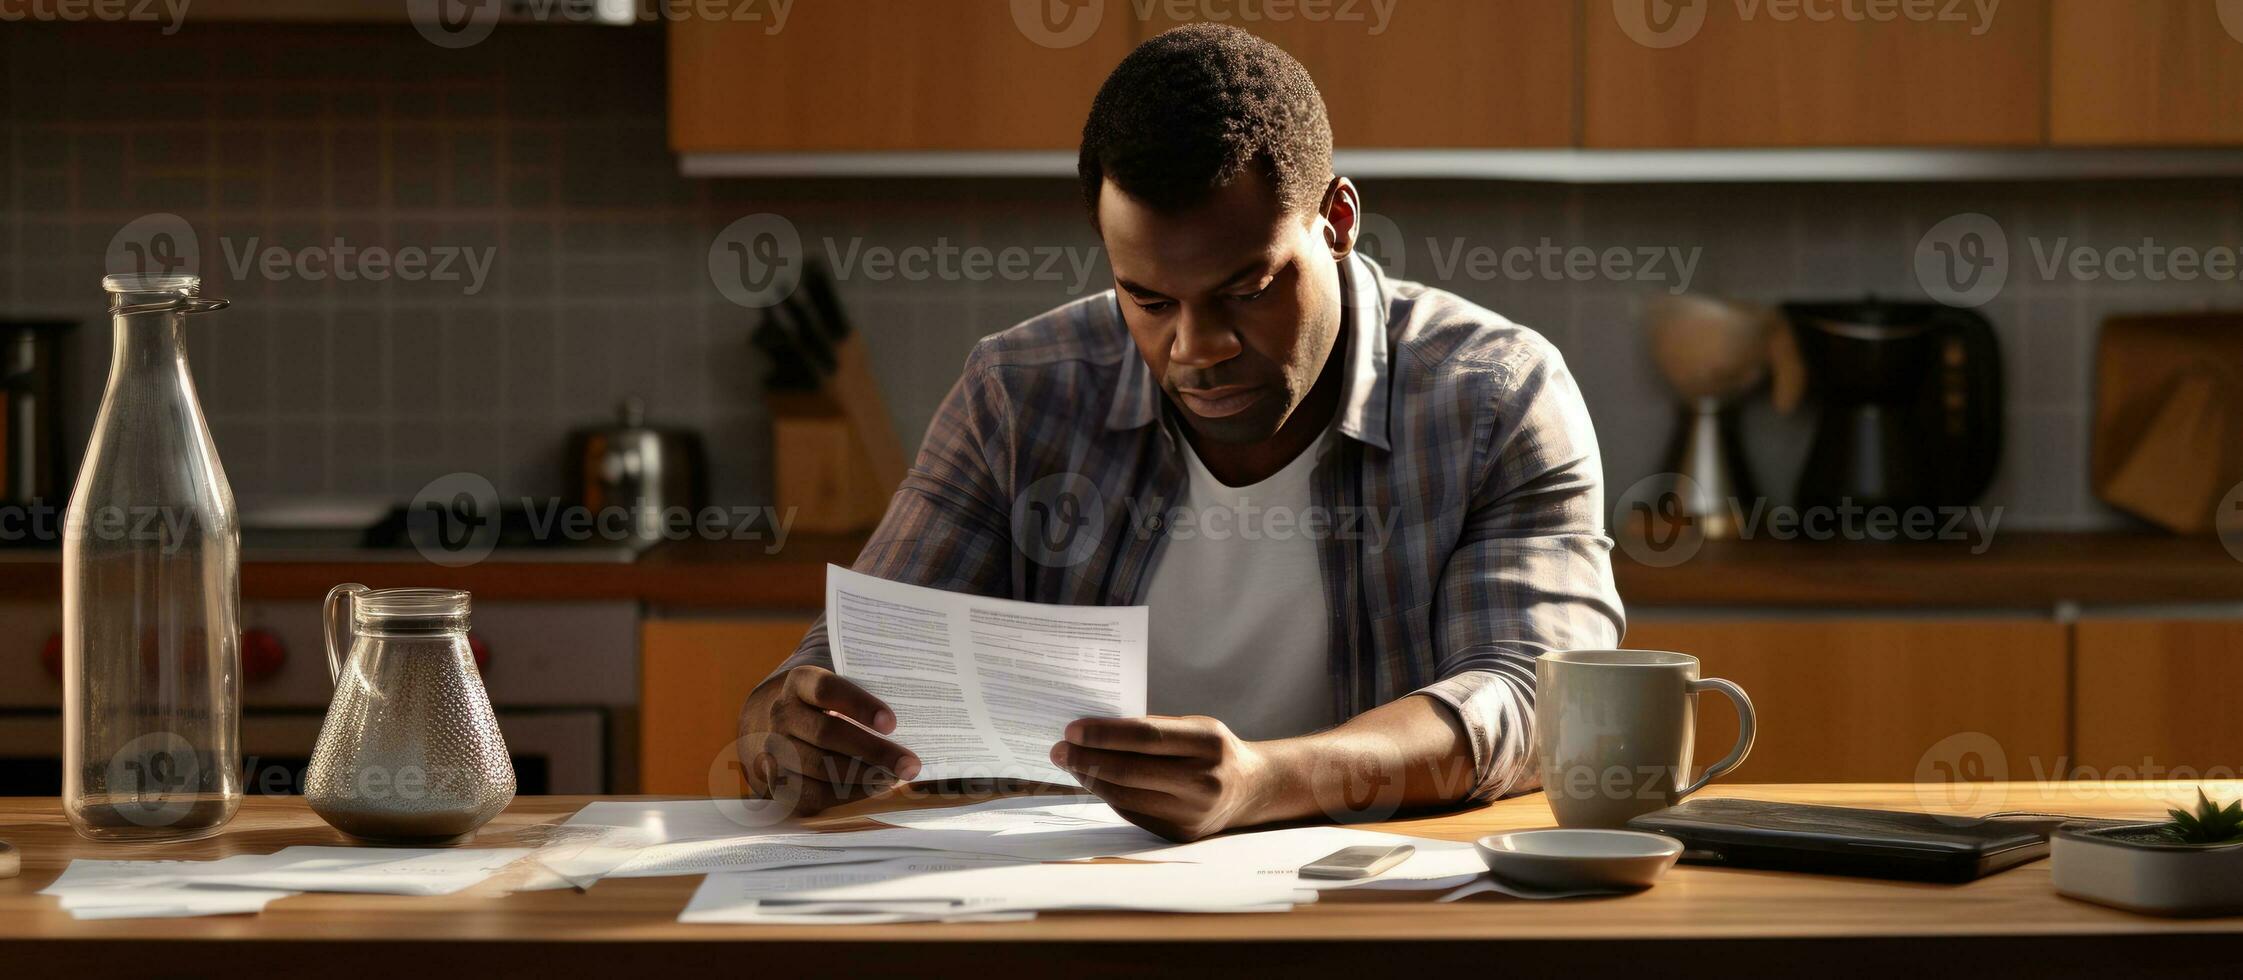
[792, 750]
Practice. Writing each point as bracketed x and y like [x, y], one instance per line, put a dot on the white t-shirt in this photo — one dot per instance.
[1240, 628]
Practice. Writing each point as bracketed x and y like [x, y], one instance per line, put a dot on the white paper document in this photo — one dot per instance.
[245, 882]
[372, 870]
[663, 821]
[91, 889]
[736, 896]
[1010, 815]
[948, 887]
[983, 687]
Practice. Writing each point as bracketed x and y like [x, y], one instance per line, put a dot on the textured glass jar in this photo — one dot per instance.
[410, 751]
[151, 592]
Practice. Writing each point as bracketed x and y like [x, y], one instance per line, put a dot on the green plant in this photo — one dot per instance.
[2210, 824]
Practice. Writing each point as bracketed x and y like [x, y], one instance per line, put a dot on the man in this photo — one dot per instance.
[1434, 461]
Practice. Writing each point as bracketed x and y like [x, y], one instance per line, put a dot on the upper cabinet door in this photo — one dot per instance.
[1425, 73]
[894, 75]
[2147, 72]
[1740, 73]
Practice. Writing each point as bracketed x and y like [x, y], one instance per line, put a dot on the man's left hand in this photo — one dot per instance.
[1181, 778]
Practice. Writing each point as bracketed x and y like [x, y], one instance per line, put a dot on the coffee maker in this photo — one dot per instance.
[1911, 403]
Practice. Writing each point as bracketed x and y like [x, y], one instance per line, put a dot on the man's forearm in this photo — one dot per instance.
[1413, 752]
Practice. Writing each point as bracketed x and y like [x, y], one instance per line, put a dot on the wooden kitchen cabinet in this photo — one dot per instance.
[693, 676]
[1878, 700]
[2146, 72]
[1769, 74]
[887, 75]
[2156, 696]
[1434, 73]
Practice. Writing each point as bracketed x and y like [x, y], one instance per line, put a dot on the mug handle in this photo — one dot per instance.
[1744, 731]
[338, 601]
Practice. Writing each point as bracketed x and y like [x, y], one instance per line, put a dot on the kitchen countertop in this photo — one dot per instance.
[2031, 570]
[1697, 921]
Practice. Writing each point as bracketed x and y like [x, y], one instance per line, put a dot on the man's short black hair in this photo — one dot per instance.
[1189, 110]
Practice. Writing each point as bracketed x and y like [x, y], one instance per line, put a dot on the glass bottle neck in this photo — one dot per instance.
[144, 344]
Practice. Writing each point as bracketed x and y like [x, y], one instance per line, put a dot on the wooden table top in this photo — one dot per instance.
[1773, 919]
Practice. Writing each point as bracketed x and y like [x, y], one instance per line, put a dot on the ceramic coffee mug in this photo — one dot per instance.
[1613, 732]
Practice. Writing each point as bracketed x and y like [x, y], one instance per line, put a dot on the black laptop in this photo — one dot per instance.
[1848, 841]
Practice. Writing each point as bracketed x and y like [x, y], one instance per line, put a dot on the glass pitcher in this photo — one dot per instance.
[151, 592]
[410, 751]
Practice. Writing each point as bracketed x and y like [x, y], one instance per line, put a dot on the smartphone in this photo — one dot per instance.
[1362, 861]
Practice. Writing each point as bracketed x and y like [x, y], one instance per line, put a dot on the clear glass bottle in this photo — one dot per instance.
[151, 592]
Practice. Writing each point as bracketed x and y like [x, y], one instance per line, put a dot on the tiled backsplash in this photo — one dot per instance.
[543, 149]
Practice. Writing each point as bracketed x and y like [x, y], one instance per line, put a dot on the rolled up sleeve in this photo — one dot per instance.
[1531, 572]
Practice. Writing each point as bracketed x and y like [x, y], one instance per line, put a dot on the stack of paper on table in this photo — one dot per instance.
[983, 859]
[245, 883]
[920, 889]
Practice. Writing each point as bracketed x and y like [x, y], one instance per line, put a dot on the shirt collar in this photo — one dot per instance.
[1363, 389]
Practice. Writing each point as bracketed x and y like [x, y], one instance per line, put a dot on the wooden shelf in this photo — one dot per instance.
[2020, 571]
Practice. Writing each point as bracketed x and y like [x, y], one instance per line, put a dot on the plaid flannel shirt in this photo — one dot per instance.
[1045, 478]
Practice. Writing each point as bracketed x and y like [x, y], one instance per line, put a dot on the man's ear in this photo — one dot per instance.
[1342, 211]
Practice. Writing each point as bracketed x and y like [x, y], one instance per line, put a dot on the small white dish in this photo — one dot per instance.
[1568, 860]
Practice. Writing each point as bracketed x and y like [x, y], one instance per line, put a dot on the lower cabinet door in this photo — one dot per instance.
[2157, 699]
[1878, 700]
[694, 674]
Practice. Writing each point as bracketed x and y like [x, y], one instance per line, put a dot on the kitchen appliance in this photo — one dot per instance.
[1911, 403]
[1712, 352]
[151, 592]
[562, 678]
[30, 430]
[2168, 408]
[410, 752]
[640, 470]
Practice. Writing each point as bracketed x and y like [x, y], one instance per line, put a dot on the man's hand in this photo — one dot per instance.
[1181, 778]
[794, 749]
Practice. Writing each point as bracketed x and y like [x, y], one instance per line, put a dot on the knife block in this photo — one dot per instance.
[820, 470]
[2168, 405]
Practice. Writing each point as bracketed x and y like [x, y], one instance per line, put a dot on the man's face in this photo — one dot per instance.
[1234, 303]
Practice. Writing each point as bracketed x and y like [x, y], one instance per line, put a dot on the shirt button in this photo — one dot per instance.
[1153, 524]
